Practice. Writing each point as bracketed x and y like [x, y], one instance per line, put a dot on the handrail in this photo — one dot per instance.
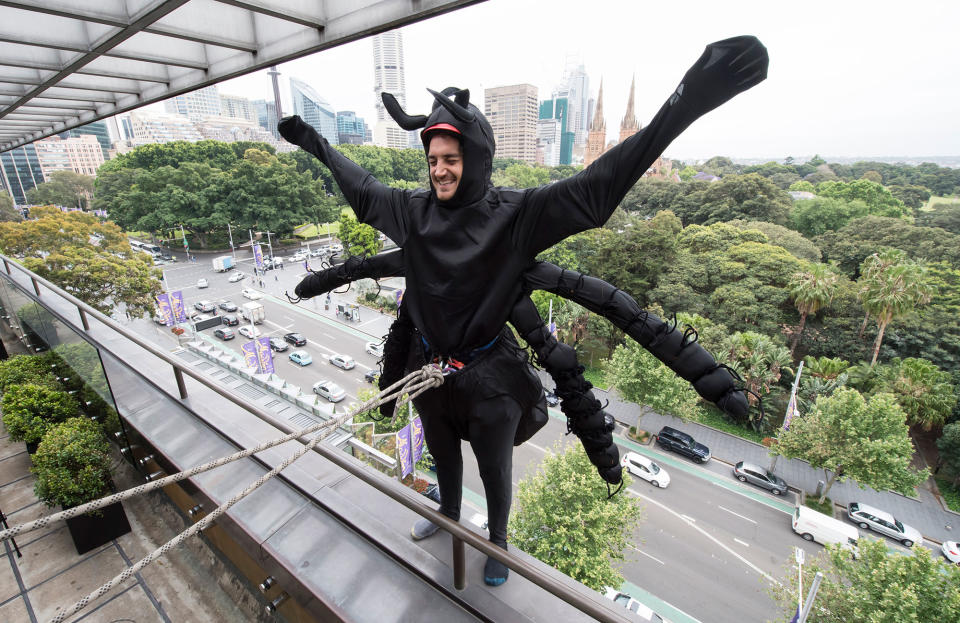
[378, 481]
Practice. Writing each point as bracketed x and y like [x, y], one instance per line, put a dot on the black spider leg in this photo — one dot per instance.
[291, 299]
[609, 494]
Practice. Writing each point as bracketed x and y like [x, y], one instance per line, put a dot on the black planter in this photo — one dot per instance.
[91, 531]
[32, 447]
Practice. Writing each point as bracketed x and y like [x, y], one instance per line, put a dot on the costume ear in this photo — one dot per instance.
[462, 97]
[403, 120]
[454, 108]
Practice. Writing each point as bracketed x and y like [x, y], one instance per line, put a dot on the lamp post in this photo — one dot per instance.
[233, 251]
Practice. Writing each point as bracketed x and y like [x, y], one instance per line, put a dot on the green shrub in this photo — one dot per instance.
[72, 464]
[30, 410]
[22, 369]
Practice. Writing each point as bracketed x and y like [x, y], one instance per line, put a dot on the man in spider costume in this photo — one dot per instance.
[466, 245]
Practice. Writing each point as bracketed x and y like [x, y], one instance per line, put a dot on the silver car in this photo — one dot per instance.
[754, 474]
[330, 391]
[868, 517]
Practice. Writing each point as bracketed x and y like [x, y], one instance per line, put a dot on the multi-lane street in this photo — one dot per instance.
[708, 547]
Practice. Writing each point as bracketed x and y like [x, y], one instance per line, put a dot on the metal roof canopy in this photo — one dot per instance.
[66, 63]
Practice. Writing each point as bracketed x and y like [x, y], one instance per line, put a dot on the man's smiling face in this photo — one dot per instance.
[445, 159]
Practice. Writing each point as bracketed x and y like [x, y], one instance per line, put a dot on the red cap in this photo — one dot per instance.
[440, 126]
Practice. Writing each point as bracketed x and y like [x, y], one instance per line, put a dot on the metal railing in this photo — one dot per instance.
[401, 494]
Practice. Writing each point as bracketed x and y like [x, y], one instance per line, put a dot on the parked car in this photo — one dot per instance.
[230, 320]
[248, 331]
[951, 551]
[204, 306]
[228, 306]
[868, 517]
[225, 333]
[301, 357]
[251, 294]
[203, 283]
[552, 399]
[642, 467]
[754, 474]
[682, 443]
[343, 361]
[371, 375]
[277, 344]
[296, 339]
[823, 529]
[329, 390]
[642, 612]
[237, 276]
[374, 348]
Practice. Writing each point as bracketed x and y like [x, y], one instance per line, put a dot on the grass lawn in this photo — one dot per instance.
[826, 508]
[597, 377]
[929, 204]
[950, 493]
[713, 418]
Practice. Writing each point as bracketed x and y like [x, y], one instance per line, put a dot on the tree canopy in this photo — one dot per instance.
[65, 188]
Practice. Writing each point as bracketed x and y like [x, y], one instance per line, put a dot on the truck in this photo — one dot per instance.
[814, 526]
[222, 263]
[252, 311]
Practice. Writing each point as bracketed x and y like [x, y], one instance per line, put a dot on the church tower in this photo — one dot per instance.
[629, 125]
[597, 138]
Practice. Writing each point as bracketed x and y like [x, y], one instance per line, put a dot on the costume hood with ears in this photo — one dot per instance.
[462, 119]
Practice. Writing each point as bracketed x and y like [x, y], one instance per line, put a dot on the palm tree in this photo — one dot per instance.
[759, 360]
[873, 267]
[811, 289]
[891, 289]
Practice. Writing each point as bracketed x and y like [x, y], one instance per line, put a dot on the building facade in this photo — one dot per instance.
[267, 116]
[351, 128]
[160, 128]
[389, 77]
[80, 154]
[97, 129]
[314, 109]
[238, 108]
[559, 108]
[196, 104]
[21, 171]
[513, 112]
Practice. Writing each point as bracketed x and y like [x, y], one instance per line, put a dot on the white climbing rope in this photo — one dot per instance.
[403, 391]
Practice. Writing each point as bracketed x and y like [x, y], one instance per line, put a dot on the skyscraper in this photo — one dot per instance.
[575, 88]
[80, 154]
[314, 109]
[196, 104]
[559, 110]
[267, 116]
[350, 128]
[97, 129]
[238, 107]
[388, 75]
[512, 112]
[21, 171]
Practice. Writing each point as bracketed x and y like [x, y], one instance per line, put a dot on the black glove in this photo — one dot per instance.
[725, 69]
[295, 130]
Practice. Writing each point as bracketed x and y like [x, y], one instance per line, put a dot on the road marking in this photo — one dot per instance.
[646, 554]
[744, 543]
[737, 514]
[533, 445]
[329, 336]
[688, 518]
[706, 534]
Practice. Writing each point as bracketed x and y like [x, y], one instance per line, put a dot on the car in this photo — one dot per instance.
[225, 333]
[336, 248]
[951, 551]
[870, 518]
[237, 276]
[230, 320]
[642, 467]
[316, 253]
[754, 474]
[682, 443]
[158, 318]
[372, 375]
[203, 283]
[228, 306]
[329, 390]
[552, 399]
[296, 339]
[251, 294]
[277, 344]
[374, 348]
[248, 331]
[301, 357]
[641, 612]
[204, 306]
[343, 361]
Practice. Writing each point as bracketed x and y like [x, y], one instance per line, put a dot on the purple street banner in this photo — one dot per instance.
[163, 303]
[258, 256]
[399, 295]
[264, 355]
[416, 434]
[403, 451]
[249, 350]
[179, 311]
[792, 412]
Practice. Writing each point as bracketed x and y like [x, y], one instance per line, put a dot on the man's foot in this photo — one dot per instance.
[495, 572]
[423, 528]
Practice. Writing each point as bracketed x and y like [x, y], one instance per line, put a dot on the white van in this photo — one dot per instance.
[814, 526]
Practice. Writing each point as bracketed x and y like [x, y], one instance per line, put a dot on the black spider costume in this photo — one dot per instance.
[464, 260]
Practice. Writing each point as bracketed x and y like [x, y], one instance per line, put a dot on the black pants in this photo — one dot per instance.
[483, 404]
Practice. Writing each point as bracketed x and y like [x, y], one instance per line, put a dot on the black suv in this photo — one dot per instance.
[682, 443]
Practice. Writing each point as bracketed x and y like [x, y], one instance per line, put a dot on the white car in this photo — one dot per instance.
[640, 611]
[203, 283]
[951, 551]
[251, 294]
[642, 467]
[248, 331]
[330, 391]
[343, 361]
[237, 276]
[374, 348]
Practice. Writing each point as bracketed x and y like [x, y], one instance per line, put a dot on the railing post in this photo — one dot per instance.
[180, 384]
[6, 265]
[459, 564]
[83, 319]
[36, 285]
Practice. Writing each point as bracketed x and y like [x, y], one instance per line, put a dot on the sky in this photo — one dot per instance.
[846, 79]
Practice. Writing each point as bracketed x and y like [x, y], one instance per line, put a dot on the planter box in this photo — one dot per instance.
[32, 447]
[90, 532]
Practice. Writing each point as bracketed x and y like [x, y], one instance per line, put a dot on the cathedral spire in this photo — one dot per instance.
[629, 125]
[597, 136]
[598, 123]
